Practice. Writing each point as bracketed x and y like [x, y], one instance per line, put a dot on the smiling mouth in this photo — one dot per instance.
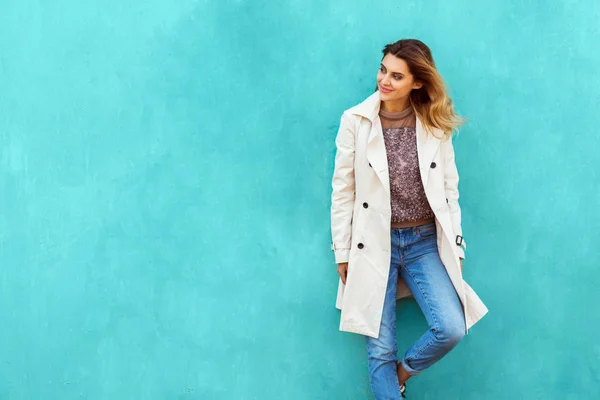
[385, 89]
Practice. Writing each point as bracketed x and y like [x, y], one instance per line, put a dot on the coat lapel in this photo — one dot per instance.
[376, 153]
[427, 146]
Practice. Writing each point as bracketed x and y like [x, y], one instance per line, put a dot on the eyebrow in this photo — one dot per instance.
[399, 73]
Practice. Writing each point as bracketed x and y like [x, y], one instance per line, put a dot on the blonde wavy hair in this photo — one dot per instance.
[431, 102]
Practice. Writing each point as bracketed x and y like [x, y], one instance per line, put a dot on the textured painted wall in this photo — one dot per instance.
[164, 196]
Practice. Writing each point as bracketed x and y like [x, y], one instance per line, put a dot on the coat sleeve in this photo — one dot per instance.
[343, 194]
[451, 189]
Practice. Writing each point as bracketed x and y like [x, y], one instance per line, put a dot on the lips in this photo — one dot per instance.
[384, 90]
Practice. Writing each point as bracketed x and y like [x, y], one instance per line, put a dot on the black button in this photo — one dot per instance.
[433, 165]
[365, 205]
[446, 200]
[370, 165]
[360, 245]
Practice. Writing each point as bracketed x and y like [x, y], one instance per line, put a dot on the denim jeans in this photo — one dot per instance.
[415, 257]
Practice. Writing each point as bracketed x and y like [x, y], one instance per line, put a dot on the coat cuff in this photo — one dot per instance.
[462, 247]
[342, 255]
[460, 251]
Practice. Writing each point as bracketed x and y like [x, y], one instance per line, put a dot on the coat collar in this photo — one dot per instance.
[369, 108]
[427, 145]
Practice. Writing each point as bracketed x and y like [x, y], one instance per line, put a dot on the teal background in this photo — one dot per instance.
[164, 196]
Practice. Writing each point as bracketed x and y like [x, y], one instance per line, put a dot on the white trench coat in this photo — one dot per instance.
[361, 176]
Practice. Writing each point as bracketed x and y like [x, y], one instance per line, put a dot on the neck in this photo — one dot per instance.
[395, 105]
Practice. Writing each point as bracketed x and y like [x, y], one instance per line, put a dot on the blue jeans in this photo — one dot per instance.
[415, 257]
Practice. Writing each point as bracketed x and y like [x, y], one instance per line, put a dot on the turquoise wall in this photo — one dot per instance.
[164, 196]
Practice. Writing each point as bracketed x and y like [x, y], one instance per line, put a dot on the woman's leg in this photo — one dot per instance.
[382, 352]
[426, 277]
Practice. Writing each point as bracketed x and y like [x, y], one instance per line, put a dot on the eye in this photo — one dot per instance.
[396, 77]
[382, 69]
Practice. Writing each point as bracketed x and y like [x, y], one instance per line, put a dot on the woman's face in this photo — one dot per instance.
[394, 79]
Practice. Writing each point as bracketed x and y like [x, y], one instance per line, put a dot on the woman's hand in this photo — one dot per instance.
[343, 271]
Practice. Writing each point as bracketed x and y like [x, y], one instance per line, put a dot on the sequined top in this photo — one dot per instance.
[408, 199]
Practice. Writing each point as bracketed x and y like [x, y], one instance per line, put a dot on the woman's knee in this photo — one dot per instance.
[450, 334]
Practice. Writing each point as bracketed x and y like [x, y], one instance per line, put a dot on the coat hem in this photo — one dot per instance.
[355, 329]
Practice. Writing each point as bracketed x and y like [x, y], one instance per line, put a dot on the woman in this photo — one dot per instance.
[396, 220]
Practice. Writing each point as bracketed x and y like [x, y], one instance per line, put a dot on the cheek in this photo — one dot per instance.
[402, 86]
